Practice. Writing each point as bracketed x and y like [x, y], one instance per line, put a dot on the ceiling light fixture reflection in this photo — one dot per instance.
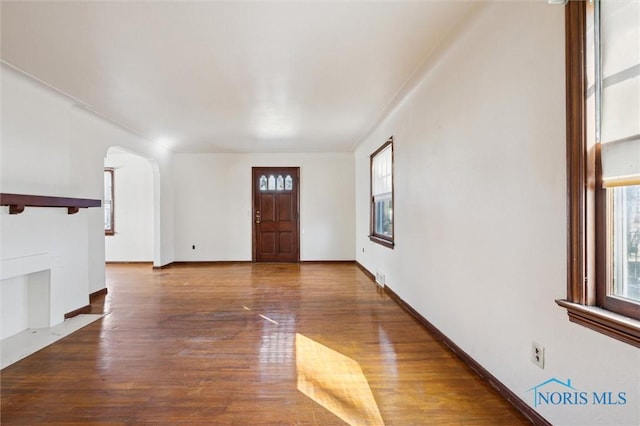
[166, 143]
[274, 125]
[274, 116]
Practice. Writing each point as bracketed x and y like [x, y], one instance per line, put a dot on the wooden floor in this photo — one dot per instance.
[248, 344]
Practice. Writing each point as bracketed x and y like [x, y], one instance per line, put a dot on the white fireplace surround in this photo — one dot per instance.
[32, 274]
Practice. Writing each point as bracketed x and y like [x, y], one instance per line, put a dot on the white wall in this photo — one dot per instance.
[133, 187]
[480, 209]
[213, 205]
[51, 146]
[35, 160]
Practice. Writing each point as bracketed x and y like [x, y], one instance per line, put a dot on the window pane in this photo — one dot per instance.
[383, 216]
[619, 99]
[626, 239]
[280, 183]
[288, 183]
[107, 215]
[382, 173]
[263, 183]
[107, 186]
[272, 183]
[620, 50]
[108, 201]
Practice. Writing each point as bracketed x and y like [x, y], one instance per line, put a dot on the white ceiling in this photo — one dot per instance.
[230, 76]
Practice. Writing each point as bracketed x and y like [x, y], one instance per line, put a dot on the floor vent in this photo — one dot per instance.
[380, 278]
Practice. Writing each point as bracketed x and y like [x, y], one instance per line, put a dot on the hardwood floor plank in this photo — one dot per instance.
[248, 344]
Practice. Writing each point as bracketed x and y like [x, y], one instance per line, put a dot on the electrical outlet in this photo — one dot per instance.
[537, 354]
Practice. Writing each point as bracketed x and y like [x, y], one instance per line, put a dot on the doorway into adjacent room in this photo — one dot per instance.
[129, 207]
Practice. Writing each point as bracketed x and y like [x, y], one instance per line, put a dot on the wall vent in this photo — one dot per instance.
[380, 279]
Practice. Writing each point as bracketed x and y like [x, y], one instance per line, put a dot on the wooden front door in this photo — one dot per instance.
[276, 221]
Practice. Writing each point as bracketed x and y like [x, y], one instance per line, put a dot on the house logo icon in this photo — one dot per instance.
[560, 392]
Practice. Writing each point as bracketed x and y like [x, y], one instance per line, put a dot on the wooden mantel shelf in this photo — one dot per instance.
[17, 202]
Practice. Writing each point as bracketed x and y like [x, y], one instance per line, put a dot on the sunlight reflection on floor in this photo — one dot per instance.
[336, 382]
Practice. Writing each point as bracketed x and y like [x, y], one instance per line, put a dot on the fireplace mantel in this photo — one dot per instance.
[18, 202]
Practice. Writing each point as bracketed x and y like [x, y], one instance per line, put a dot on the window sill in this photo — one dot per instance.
[381, 241]
[606, 322]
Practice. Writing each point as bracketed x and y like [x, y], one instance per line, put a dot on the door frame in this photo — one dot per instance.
[295, 172]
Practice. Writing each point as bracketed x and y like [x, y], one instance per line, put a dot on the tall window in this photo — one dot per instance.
[382, 195]
[603, 159]
[109, 228]
[618, 131]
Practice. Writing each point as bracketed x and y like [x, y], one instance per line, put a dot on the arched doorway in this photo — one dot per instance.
[131, 210]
